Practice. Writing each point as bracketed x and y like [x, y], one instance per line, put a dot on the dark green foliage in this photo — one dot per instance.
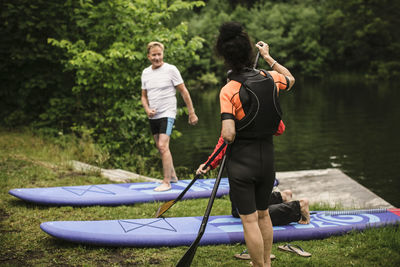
[30, 70]
[108, 61]
[363, 35]
[74, 66]
[312, 37]
[84, 67]
[291, 30]
[293, 33]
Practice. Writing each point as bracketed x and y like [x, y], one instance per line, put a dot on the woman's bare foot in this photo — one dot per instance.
[304, 211]
[266, 263]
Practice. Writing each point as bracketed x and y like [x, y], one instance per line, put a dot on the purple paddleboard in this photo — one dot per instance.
[181, 231]
[117, 194]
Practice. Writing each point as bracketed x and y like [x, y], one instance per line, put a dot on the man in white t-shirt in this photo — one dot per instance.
[159, 84]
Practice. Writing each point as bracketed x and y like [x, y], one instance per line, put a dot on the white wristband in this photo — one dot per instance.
[272, 65]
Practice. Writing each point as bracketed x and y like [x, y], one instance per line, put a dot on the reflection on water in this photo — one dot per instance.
[338, 123]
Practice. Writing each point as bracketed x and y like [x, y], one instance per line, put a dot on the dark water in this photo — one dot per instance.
[339, 123]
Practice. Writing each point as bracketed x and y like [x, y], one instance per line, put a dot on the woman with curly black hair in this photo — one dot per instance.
[251, 115]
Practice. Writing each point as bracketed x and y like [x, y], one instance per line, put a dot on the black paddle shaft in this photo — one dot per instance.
[187, 259]
[166, 206]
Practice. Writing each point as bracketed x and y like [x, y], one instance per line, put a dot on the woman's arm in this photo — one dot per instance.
[264, 51]
[228, 131]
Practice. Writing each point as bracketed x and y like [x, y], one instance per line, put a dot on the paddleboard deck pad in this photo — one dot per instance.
[117, 194]
[182, 231]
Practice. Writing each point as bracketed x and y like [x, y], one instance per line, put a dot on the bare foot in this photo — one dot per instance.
[304, 211]
[246, 256]
[286, 195]
[174, 179]
[266, 263]
[163, 187]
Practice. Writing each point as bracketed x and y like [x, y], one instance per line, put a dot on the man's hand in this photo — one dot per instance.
[151, 112]
[201, 171]
[193, 119]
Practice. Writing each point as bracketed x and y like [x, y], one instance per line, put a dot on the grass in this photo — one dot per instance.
[30, 161]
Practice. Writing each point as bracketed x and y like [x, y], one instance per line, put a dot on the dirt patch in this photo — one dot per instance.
[154, 261]
[44, 164]
[66, 174]
[3, 215]
[123, 260]
[9, 259]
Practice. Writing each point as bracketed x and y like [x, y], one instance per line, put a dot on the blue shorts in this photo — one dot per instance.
[162, 126]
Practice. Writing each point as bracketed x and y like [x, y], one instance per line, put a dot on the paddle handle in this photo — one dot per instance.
[256, 61]
[187, 259]
[257, 57]
[199, 175]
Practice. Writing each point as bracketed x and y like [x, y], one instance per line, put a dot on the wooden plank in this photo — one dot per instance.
[330, 187]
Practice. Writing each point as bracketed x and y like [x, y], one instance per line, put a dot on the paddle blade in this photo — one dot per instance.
[164, 207]
[187, 259]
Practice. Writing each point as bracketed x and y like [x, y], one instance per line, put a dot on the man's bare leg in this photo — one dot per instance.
[174, 178]
[162, 142]
[286, 195]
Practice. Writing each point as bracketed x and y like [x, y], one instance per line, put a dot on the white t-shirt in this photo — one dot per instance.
[160, 85]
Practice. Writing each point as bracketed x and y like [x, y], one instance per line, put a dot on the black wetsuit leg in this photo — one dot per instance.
[250, 167]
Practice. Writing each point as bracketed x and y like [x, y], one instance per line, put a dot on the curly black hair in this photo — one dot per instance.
[234, 45]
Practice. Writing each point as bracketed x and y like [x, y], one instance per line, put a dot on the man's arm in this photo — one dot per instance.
[145, 102]
[193, 119]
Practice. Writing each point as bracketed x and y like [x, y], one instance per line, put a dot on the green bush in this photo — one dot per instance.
[107, 63]
[74, 66]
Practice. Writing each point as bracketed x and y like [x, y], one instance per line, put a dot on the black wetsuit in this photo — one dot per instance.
[250, 158]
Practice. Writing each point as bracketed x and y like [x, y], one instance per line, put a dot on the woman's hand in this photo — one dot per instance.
[264, 51]
[263, 48]
[201, 171]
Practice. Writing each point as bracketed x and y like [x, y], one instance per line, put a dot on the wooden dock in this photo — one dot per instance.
[330, 187]
[327, 186]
